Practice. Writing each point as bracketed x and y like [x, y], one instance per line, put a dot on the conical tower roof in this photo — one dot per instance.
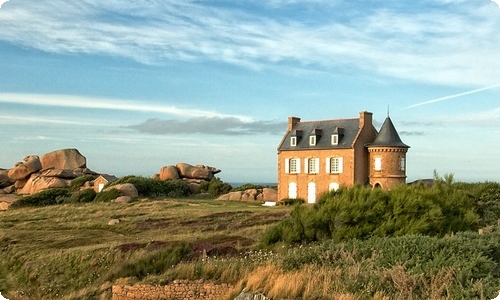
[388, 136]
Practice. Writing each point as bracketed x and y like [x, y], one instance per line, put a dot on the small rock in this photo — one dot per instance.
[113, 222]
[122, 199]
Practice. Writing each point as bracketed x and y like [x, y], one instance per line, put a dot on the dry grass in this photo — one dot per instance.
[69, 251]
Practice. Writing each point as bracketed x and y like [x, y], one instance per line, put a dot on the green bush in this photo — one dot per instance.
[249, 186]
[78, 182]
[292, 201]
[154, 263]
[216, 187]
[470, 257]
[84, 196]
[149, 187]
[360, 213]
[106, 196]
[43, 198]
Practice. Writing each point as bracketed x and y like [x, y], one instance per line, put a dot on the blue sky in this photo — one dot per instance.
[137, 85]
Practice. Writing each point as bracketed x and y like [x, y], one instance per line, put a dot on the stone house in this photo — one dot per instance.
[102, 180]
[318, 156]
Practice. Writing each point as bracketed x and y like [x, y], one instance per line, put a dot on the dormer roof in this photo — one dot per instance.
[322, 128]
[388, 136]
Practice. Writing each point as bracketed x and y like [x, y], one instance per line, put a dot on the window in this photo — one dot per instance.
[335, 139]
[333, 186]
[312, 140]
[378, 163]
[402, 163]
[334, 165]
[312, 165]
[293, 141]
[292, 165]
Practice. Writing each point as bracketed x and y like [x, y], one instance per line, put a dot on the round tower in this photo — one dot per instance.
[387, 156]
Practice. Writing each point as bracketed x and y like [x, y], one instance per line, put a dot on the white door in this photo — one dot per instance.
[292, 190]
[311, 192]
[101, 186]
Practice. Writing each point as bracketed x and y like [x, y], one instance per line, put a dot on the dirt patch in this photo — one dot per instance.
[154, 223]
[220, 246]
[132, 247]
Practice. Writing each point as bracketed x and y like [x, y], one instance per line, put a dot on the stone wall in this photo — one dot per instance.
[177, 290]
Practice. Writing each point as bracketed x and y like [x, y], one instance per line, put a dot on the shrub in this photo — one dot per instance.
[249, 186]
[216, 187]
[106, 196]
[84, 196]
[470, 258]
[360, 212]
[149, 187]
[154, 263]
[43, 198]
[292, 201]
[78, 182]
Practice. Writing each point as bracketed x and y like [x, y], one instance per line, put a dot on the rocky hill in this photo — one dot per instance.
[55, 169]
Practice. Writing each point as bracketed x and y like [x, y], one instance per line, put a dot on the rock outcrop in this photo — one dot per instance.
[53, 170]
[65, 159]
[261, 195]
[196, 172]
[126, 189]
[28, 166]
[194, 176]
[37, 183]
[169, 173]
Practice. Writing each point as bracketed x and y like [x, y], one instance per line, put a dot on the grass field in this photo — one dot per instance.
[70, 251]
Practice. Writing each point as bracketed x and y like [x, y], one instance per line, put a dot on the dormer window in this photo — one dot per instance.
[295, 138]
[312, 140]
[315, 136]
[338, 133]
[335, 139]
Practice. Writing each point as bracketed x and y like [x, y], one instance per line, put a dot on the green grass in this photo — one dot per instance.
[69, 252]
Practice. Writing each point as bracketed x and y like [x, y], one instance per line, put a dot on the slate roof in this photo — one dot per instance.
[388, 136]
[108, 178]
[328, 127]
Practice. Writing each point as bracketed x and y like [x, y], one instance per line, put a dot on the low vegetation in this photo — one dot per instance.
[414, 242]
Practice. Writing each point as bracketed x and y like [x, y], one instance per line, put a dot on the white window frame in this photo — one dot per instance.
[329, 165]
[311, 165]
[288, 164]
[312, 140]
[293, 141]
[333, 186]
[377, 164]
[336, 165]
[335, 139]
[402, 164]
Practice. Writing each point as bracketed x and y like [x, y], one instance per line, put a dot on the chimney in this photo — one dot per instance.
[365, 118]
[292, 121]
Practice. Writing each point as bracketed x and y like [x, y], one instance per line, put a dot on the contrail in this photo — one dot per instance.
[454, 96]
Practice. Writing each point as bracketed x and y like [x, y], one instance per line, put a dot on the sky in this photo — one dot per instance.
[136, 85]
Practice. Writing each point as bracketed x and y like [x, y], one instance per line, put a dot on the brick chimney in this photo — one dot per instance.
[365, 118]
[292, 121]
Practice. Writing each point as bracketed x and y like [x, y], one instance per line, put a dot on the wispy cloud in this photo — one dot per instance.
[212, 126]
[434, 45]
[454, 96]
[108, 104]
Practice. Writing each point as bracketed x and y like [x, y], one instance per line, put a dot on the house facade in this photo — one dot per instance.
[318, 156]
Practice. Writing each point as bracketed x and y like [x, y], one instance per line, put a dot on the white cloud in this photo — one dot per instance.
[109, 104]
[455, 45]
